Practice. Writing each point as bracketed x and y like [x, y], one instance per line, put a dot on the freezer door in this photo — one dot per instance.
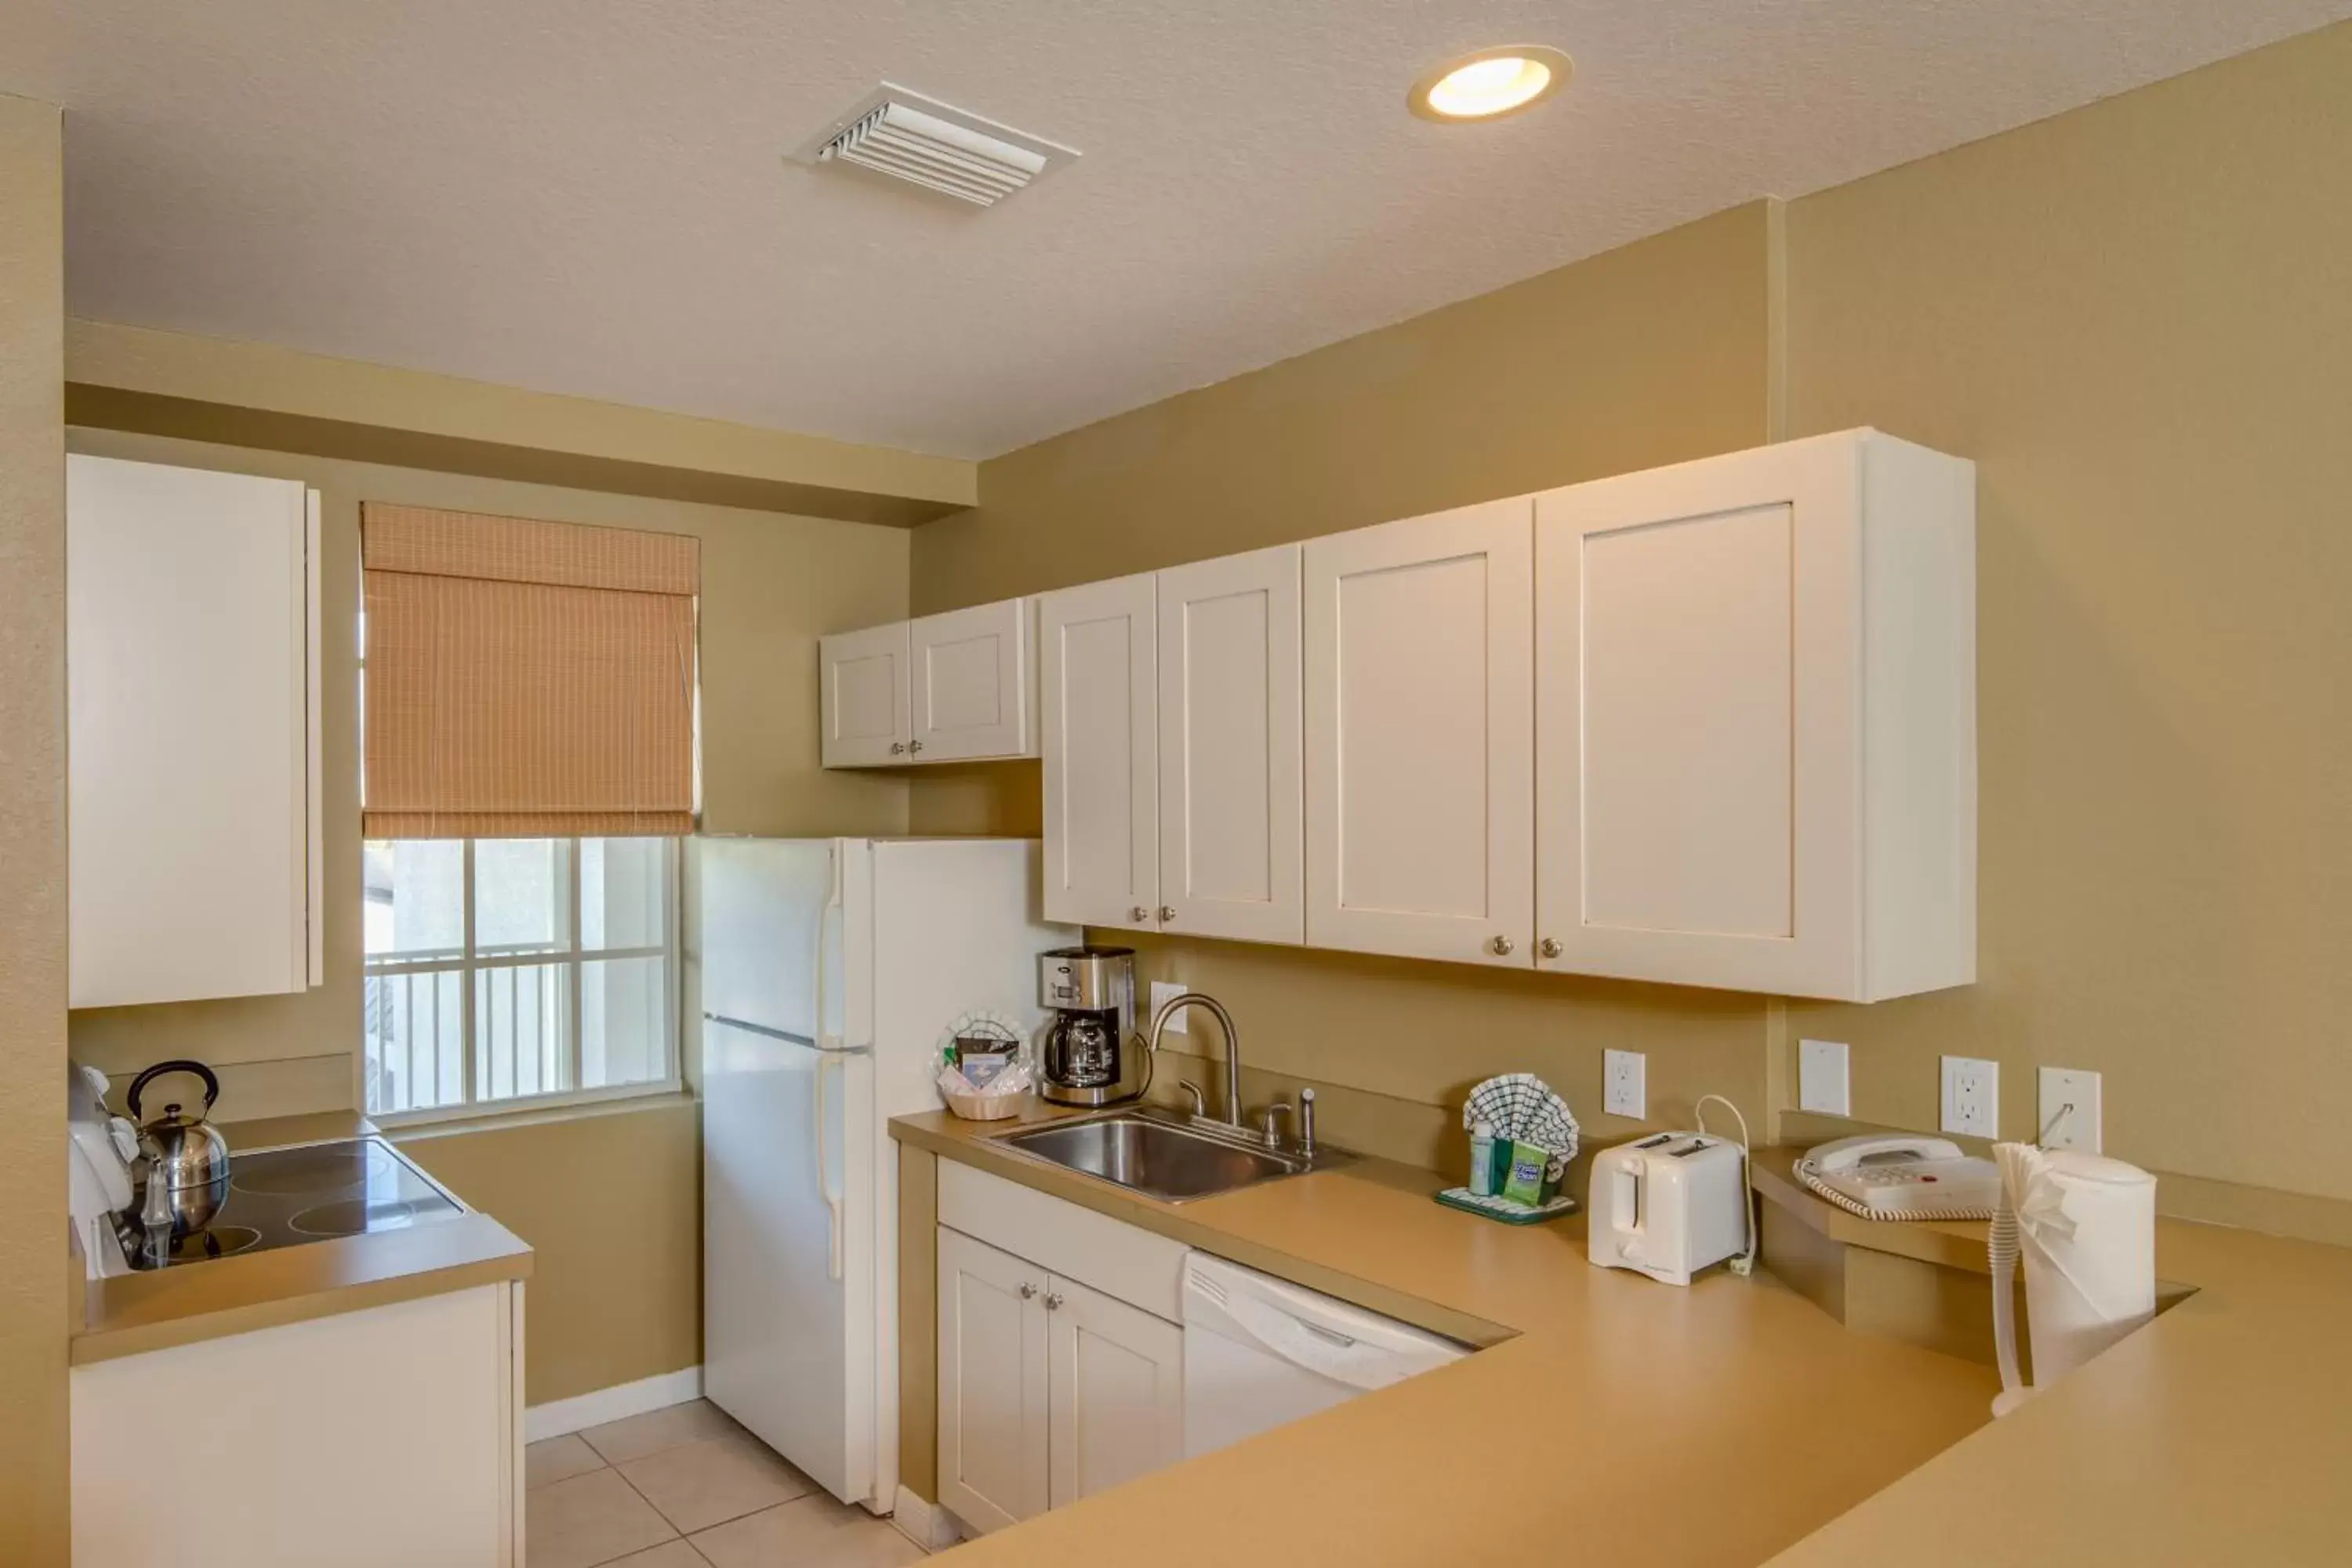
[763, 928]
[788, 1275]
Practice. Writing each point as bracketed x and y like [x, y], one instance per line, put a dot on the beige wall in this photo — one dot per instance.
[2138, 318]
[1648, 354]
[612, 1206]
[614, 1300]
[33, 1234]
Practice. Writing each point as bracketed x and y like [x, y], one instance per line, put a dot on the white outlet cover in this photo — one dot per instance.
[1624, 1077]
[2063, 1087]
[1164, 992]
[1821, 1083]
[1971, 1096]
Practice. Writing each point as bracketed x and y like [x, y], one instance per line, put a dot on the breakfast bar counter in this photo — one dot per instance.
[1732, 1423]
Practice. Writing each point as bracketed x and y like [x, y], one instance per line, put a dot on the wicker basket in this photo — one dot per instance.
[984, 1107]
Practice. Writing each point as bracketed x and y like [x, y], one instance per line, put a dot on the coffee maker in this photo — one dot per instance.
[1082, 1055]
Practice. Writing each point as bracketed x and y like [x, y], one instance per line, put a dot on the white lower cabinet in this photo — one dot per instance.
[1114, 1391]
[1051, 1387]
[384, 1437]
[993, 1384]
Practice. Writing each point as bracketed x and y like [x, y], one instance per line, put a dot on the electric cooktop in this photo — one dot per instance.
[284, 1197]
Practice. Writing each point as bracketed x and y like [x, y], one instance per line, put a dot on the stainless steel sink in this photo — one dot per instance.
[1166, 1157]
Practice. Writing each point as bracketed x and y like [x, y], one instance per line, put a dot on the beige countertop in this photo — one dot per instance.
[130, 1313]
[1613, 1415]
[1729, 1422]
[2220, 1433]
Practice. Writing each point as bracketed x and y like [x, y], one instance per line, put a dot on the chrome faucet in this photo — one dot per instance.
[1175, 1005]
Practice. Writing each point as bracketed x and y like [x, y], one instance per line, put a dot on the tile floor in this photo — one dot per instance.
[687, 1488]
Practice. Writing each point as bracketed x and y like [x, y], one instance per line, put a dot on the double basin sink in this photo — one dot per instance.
[1165, 1156]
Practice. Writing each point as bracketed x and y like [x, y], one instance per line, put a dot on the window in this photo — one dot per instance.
[506, 970]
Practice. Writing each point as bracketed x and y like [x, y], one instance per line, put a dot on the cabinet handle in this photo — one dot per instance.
[1027, 1290]
[914, 745]
[1167, 912]
[1053, 1301]
[1501, 947]
[897, 749]
[1549, 947]
[1139, 914]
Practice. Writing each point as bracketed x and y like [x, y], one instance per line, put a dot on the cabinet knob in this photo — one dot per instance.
[898, 748]
[1139, 914]
[1549, 947]
[1027, 1290]
[914, 745]
[1053, 1301]
[1167, 912]
[1501, 947]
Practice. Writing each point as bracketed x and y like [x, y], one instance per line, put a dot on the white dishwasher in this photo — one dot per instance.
[1259, 1351]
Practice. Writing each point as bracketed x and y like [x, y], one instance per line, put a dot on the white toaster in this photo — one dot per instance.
[1668, 1205]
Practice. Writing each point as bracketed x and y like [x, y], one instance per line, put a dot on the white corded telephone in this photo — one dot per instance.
[1902, 1176]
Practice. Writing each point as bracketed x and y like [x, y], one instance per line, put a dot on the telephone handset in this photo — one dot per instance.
[1902, 1176]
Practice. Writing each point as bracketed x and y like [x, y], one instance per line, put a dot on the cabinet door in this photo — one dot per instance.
[1116, 1386]
[1102, 736]
[1420, 737]
[1697, 633]
[862, 697]
[970, 687]
[188, 651]
[1231, 815]
[993, 1380]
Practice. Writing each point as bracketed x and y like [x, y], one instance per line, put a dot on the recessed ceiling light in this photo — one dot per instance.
[1490, 83]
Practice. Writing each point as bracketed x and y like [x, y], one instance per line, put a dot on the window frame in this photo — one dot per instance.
[470, 963]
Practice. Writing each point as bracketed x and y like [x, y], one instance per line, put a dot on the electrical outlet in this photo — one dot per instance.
[1972, 1097]
[1821, 1084]
[2070, 1109]
[1164, 992]
[1624, 1084]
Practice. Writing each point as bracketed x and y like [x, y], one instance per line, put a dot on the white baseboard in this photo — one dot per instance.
[558, 1416]
[927, 1525]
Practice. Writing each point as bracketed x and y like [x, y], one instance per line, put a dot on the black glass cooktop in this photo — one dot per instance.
[284, 1197]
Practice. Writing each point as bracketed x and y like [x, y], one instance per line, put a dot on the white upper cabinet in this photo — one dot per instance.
[864, 696]
[1420, 737]
[942, 689]
[192, 678]
[970, 675]
[1756, 721]
[1098, 691]
[1231, 824]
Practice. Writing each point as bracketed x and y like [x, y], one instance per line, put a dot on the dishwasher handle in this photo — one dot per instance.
[1340, 1357]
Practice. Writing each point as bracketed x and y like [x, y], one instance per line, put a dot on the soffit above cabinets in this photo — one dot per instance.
[602, 200]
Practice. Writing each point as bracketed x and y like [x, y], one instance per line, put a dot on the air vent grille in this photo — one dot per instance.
[909, 137]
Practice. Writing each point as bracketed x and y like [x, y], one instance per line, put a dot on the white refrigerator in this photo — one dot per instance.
[830, 971]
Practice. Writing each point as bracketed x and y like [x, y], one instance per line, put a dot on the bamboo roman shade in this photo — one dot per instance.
[526, 680]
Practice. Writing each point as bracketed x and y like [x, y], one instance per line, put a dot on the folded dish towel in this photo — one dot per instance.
[1523, 1107]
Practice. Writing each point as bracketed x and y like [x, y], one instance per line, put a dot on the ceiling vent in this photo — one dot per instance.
[909, 137]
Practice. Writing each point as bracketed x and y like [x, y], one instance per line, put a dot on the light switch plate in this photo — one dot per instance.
[1972, 1097]
[1624, 1084]
[2077, 1129]
[1162, 992]
[1821, 1083]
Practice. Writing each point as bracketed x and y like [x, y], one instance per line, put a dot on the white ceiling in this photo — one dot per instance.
[590, 196]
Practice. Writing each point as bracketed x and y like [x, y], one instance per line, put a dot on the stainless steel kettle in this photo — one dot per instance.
[186, 1167]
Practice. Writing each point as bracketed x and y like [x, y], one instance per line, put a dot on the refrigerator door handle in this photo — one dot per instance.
[826, 919]
[832, 1200]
